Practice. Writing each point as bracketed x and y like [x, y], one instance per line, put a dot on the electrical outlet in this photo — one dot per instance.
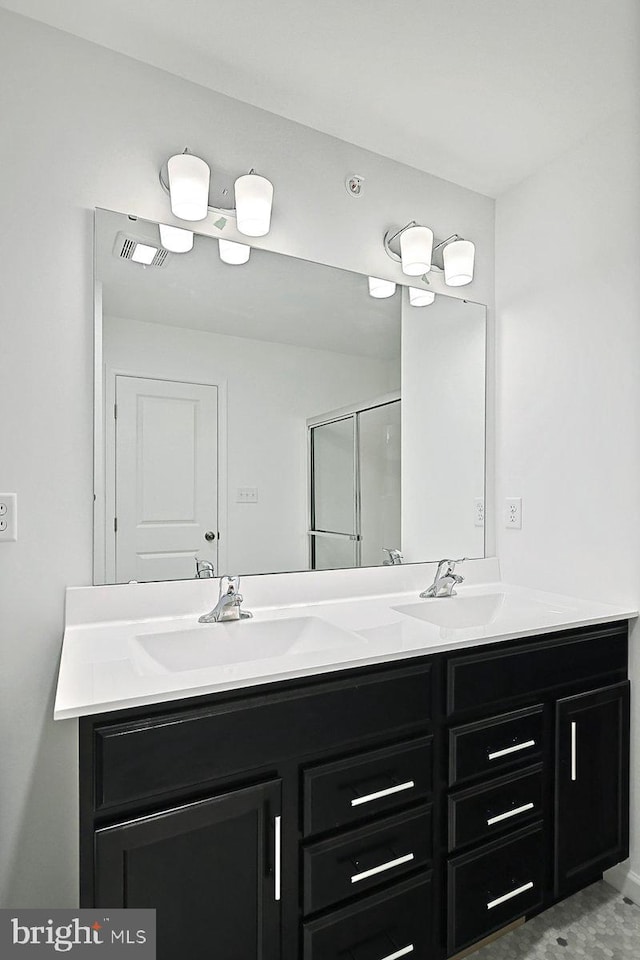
[247, 495]
[478, 513]
[8, 516]
[513, 513]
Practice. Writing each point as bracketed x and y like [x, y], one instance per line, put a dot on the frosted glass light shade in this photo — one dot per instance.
[416, 248]
[458, 262]
[254, 199]
[420, 298]
[232, 252]
[176, 239]
[381, 289]
[188, 186]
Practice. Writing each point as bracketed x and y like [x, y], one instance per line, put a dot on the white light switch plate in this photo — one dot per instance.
[247, 495]
[513, 513]
[8, 516]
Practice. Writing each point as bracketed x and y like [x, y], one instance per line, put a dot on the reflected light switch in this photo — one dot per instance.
[247, 495]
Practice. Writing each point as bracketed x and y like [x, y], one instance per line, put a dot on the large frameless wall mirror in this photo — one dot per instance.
[272, 416]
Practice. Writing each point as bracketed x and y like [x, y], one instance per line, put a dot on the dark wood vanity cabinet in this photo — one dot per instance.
[406, 809]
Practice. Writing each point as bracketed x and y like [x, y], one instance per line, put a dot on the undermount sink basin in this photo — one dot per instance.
[456, 612]
[224, 644]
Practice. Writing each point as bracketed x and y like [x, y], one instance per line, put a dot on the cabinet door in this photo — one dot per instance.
[211, 870]
[592, 785]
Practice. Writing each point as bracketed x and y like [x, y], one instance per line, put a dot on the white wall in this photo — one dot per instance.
[84, 127]
[568, 398]
[271, 391]
[443, 428]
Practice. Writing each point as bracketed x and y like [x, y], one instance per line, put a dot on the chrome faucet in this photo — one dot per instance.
[204, 569]
[229, 605]
[394, 558]
[444, 580]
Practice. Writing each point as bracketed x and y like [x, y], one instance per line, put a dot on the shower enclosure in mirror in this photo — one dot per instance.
[272, 416]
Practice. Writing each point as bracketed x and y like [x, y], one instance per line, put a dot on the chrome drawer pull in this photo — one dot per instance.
[509, 813]
[574, 750]
[399, 953]
[518, 746]
[277, 824]
[509, 896]
[383, 866]
[409, 785]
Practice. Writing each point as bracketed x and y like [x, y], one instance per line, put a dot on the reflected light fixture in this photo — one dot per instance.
[144, 253]
[188, 182]
[420, 298]
[381, 289]
[176, 239]
[232, 252]
[413, 247]
[458, 257]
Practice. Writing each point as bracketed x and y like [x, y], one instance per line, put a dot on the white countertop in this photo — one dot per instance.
[136, 659]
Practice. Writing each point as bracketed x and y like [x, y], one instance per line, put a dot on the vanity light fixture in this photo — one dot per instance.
[420, 298]
[188, 180]
[413, 247]
[458, 257]
[232, 252]
[416, 248]
[176, 239]
[381, 289]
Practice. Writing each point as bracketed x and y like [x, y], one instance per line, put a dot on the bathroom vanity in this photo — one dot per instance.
[409, 806]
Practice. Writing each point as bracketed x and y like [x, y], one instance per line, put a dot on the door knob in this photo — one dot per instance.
[209, 535]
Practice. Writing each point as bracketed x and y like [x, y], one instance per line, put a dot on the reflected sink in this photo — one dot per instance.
[244, 641]
[456, 612]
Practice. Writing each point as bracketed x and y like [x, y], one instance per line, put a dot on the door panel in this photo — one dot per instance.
[166, 478]
[208, 869]
[592, 789]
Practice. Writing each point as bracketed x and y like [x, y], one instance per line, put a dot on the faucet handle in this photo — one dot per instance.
[229, 584]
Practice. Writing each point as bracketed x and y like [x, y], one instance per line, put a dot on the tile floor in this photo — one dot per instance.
[596, 924]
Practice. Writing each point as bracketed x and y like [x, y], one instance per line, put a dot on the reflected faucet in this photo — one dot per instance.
[394, 558]
[204, 569]
[229, 605]
[445, 580]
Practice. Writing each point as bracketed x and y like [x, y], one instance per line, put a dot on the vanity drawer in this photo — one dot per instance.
[489, 888]
[481, 679]
[176, 751]
[384, 926]
[479, 813]
[489, 746]
[345, 791]
[355, 862]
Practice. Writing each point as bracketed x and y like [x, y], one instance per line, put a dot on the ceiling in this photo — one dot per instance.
[271, 298]
[479, 92]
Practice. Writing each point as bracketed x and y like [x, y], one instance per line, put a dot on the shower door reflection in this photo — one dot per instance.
[355, 485]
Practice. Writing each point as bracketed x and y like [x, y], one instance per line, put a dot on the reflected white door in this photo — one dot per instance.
[166, 478]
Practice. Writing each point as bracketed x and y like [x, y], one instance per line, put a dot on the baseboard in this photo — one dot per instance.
[625, 880]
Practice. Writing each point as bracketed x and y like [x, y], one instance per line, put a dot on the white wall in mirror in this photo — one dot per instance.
[222, 376]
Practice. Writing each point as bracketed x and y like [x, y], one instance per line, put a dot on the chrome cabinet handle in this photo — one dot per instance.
[209, 536]
[574, 750]
[383, 866]
[409, 785]
[509, 813]
[277, 831]
[510, 895]
[399, 953]
[515, 749]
